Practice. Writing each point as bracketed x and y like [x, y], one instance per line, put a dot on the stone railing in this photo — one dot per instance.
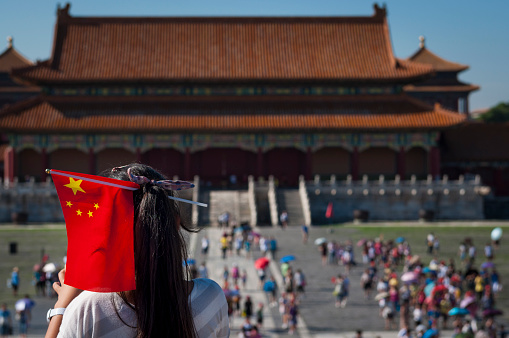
[252, 201]
[29, 202]
[382, 199]
[303, 192]
[274, 218]
[397, 199]
[195, 213]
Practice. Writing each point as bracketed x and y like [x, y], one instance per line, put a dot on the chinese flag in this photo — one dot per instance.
[99, 215]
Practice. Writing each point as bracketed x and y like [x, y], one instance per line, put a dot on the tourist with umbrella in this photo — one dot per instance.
[458, 311]
[468, 302]
[287, 259]
[260, 265]
[24, 313]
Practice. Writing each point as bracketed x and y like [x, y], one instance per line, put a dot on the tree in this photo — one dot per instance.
[497, 114]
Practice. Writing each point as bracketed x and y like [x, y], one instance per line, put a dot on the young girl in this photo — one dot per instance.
[164, 303]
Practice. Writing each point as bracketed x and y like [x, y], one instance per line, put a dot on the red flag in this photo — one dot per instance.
[329, 213]
[99, 216]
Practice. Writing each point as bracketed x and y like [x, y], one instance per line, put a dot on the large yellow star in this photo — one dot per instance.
[74, 185]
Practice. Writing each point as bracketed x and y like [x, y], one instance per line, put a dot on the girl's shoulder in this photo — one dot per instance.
[205, 286]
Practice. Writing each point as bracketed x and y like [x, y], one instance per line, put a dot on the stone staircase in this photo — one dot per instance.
[262, 206]
[289, 200]
[233, 201]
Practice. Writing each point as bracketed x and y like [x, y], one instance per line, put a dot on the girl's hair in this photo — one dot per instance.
[161, 296]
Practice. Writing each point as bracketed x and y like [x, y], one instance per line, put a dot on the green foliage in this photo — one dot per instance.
[497, 114]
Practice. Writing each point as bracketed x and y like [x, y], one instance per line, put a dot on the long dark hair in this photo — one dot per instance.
[161, 295]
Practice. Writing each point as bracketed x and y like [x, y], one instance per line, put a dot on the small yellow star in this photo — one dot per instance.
[96, 206]
[89, 214]
[79, 212]
[69, 204]
[74, 185]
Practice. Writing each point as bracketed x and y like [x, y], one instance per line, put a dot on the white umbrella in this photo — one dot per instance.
[20, 305]
[320, 241]
[408, 276]
[496, 234]
[382, 295]
[50, 267]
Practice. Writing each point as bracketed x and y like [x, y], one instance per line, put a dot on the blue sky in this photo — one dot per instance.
[470, 32]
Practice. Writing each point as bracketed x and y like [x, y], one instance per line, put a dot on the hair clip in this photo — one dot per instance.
[165, 184]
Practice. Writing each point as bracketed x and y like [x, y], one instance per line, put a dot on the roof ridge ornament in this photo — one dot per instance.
[380, 11]
[9, 42]
[422, 41]
[63, 11]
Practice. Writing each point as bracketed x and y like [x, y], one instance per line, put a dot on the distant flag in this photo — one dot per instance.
[99, 215]
[329, 213]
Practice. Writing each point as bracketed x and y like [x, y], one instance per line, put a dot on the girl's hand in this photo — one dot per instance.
[66, 293]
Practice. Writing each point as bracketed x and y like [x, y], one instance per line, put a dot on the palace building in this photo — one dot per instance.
[443, 87]
[227, 97]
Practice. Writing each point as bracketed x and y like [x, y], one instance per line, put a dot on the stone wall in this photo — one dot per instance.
[38, 201]
[383, 200]
[397, 200]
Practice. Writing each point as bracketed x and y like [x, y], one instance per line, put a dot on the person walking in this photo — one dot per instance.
[300, 282]
[203, 271]
[205, 246]
[293, 312]
[284, 219]
[165, 303]
[224, 244]
[305, 233]
[5, 321]
[15, 281]
[273, 247]
[248, 307]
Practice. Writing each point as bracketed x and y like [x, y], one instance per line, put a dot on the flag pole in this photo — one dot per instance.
[49, 171]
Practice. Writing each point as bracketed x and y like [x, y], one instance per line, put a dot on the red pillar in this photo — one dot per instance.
[45, 163]
[91, 161]
[309, 164]
[187, 164]
[355, 163]
[498, 181]
[434, 160]
[259, 162]
[401, 163]
[9, 164]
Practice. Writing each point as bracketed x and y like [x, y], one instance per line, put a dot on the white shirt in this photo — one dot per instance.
[93, 314]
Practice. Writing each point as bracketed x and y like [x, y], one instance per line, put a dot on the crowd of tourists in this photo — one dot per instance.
[241, 241]
[437, 295]
[20, 317]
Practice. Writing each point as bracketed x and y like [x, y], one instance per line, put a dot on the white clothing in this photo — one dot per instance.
[204, 243]
[93, 314]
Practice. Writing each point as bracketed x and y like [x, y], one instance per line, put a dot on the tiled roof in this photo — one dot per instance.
[11, 58]
[425, 56]
[282, 114]
[107, 49]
